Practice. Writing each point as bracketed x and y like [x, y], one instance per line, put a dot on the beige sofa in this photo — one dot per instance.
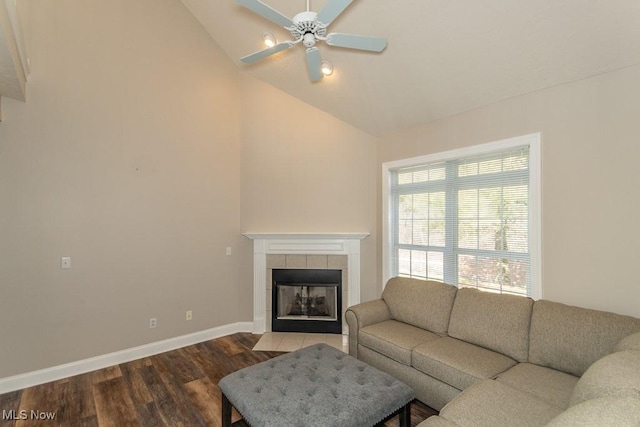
[485, 359]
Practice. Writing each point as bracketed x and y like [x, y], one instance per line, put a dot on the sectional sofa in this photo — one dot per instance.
[485, 359]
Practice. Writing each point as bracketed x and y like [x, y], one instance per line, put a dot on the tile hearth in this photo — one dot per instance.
[292, 341]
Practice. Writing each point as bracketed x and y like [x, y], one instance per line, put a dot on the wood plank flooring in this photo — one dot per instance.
[177, 388]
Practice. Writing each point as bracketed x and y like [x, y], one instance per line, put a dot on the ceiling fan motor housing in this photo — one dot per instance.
[307, 28]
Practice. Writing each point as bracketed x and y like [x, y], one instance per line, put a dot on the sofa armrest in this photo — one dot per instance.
[630, 342]
[361, 315]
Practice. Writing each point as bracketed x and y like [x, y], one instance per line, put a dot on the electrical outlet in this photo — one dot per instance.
[152, 322]
[189, 315]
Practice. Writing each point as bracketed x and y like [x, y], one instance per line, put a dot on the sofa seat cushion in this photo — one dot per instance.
[491, 403]
[605, 411]
[554, 387]
[615, 375]
[436, 421]
[458, 363]
[394, 339]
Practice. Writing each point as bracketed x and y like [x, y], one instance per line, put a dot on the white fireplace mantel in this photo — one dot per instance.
[301, 243]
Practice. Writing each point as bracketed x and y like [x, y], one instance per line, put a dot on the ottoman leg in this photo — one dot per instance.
[226, 411]
[405, 415]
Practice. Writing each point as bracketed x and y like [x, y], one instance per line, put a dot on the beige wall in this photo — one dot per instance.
[125, 158]
[590, 180]
[134, 157]
[306, 171]
[142, 154]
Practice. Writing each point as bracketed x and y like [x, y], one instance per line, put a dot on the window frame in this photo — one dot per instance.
[534, 141]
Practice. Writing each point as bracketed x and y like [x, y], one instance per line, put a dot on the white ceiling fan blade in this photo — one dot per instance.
[331, 10]
[314, 63]
[266, 52]
[266, 12]
[351, 41]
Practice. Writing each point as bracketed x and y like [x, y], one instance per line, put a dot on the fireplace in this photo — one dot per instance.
[339, 251]
[307, 300]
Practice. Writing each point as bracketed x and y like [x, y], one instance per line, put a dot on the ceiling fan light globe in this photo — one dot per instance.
[309, 40]
[327, 68]
[269, 39]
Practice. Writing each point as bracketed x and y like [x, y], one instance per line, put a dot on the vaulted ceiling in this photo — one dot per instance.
[443, 57]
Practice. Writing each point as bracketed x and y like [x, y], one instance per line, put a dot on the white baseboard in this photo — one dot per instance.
[55, 373]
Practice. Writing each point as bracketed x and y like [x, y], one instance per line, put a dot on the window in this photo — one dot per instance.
[467, 217]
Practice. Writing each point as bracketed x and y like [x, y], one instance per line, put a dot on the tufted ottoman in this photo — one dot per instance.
[315, 386]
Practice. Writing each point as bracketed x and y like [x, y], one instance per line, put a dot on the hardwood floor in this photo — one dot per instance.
[177, 388]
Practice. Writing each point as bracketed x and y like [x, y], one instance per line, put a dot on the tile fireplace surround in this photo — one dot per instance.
[340, 251]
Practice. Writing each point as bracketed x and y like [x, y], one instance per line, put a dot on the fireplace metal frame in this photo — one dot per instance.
[307, 277]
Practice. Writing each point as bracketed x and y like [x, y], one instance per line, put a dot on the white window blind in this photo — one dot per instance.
[464, 221]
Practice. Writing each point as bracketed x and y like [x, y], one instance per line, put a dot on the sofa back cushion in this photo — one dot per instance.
[425, 304]
[494, 321]
[570, 338]
[615, 375]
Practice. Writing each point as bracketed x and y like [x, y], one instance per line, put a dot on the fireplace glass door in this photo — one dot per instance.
[307, 301]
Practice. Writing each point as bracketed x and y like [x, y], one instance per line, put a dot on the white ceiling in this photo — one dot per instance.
[443, 56]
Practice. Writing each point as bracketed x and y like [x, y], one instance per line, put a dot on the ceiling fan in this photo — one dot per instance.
[308, 28]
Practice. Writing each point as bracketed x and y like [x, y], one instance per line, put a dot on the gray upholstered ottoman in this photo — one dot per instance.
[317, 386]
